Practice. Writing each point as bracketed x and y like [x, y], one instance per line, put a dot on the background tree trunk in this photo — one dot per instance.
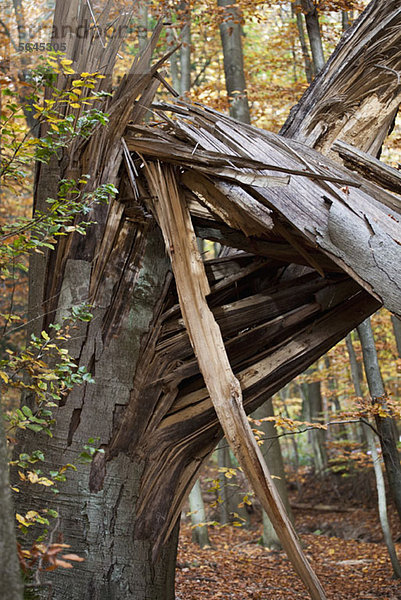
[185, 50]
[381, 488]
[384, 425]
[309, 68]
[230, 31]
[223, 460]
[196, 505]
[396, 321]
[314, 34]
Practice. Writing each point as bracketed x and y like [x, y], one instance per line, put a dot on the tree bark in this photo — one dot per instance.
[230, 32]
[185, 50]
[396, 321]
[384, 424]
[314, 34]
[381, 489]
[309, 71]
[317, 436]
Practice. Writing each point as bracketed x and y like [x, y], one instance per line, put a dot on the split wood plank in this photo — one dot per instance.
[225, 391]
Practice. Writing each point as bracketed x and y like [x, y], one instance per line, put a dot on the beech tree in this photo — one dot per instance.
[149, 406]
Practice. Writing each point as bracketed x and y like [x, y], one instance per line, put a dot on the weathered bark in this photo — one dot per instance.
[271, 451]
[314, 34]
[346, 223]
[198, 516]
[381, 488]
[384, 424]
[230, 31]
[10, 574]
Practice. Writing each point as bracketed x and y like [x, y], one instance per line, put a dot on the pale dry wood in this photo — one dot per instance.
[373, 169]
[225, 392]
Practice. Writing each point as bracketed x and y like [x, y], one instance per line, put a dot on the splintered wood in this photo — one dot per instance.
[224, 388]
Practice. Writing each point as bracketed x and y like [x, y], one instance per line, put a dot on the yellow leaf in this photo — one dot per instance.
[33, 477]
[31, 514]
[75, 105]
[45, 481]
[4, 376]
[21, 520]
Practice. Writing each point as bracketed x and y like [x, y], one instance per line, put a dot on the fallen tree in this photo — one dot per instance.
[304, 281]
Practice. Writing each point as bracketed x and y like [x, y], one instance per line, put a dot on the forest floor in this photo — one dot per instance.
[345, 549]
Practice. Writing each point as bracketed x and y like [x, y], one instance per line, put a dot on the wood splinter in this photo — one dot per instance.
[224, 389]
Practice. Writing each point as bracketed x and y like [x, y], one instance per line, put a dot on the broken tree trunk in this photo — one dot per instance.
[356, 95]
[149, 405]
[224, 388]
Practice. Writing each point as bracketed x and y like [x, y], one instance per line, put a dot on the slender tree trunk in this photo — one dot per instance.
[314, 34]
[331, 384]
[223, 456]
[384, 425]
[10, 574]
[345, 19]
[314, 407]
[381, 488]
[196, 505]
[25, 61]
[284, 395]
[271, 451]
[230, 32]
[356, 376]
[309, 71]
[396, 321]
[185, 51]
[143, 26]
[174, 71]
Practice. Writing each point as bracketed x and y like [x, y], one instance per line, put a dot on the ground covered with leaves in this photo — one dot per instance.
[345, 549]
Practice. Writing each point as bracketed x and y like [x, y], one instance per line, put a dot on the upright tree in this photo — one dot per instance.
[383, 418]
[231, 39]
